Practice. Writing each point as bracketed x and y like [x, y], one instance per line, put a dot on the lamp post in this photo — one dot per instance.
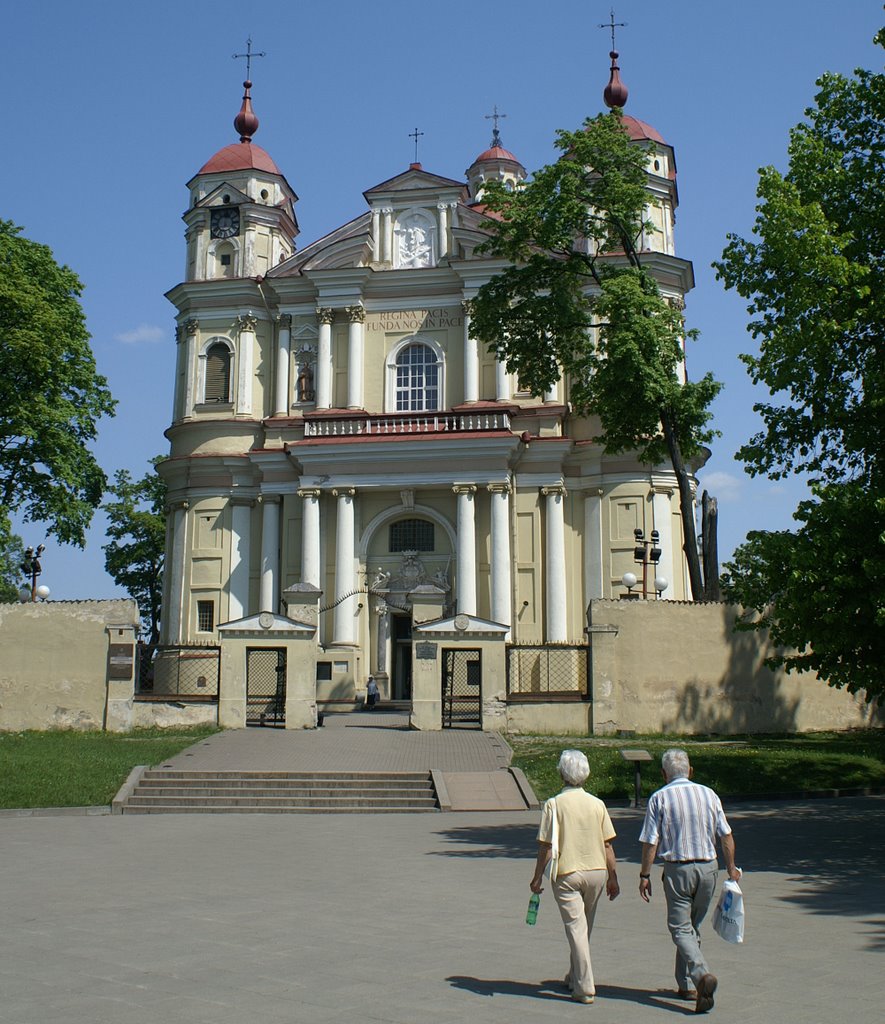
[32, 568]
[645, 553]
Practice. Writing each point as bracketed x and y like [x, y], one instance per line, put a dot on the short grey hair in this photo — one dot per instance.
[675, 764]
[574, 767]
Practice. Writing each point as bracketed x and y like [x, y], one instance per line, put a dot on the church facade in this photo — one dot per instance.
[337, 427]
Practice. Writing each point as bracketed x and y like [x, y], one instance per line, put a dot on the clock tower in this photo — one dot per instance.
[241, 219]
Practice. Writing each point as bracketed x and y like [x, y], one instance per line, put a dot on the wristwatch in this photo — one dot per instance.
[641, 875]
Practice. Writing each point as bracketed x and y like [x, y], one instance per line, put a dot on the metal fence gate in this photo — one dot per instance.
[265, 686]
[461, 688]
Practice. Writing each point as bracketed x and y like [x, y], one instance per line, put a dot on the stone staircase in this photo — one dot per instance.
[168, 791]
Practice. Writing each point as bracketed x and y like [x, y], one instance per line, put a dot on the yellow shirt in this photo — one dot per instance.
[584, 829]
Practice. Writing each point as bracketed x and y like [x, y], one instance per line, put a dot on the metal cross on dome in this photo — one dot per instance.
[495, 117]
[612, 24]
[248, 55]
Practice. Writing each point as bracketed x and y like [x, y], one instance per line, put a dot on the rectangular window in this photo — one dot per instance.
[411, 535]
[225, 259]
[205, 616]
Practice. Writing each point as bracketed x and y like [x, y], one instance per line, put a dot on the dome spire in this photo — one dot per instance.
[615, 94]
[496, 135]
[246, 122]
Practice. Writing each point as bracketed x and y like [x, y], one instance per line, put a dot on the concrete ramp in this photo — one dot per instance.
[505, 790]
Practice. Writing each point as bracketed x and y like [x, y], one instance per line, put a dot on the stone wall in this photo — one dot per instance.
[55, 668]
[672, 666]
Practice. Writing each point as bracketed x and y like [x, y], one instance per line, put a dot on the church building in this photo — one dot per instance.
[337, 429]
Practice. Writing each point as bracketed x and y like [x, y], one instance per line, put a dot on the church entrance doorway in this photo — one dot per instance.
[461, 688]
[266, 686]
[401, 641]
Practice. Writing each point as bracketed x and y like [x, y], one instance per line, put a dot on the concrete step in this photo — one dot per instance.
[176, 791]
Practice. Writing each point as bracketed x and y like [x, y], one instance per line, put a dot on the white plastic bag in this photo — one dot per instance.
[728, 917]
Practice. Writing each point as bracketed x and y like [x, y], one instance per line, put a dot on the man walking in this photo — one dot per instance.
[682, 822]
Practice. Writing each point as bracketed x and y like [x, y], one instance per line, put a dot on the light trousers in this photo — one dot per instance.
[688, 889]
[577, 896]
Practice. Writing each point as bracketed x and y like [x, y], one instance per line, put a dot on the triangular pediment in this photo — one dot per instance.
[414, 179]
[267, 624]
[463, 626]
[216, 196]
[347, 246]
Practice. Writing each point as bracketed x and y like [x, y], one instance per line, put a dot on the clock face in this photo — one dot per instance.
[225, 222]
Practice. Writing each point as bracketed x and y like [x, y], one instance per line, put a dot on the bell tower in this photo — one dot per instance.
[241, 217]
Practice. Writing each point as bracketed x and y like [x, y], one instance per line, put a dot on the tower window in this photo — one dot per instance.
[411, 535]
[205, 616]
[417, 379]
[225, 259]
[217, 385]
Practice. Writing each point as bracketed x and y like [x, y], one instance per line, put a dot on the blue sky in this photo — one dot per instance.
[111, 107]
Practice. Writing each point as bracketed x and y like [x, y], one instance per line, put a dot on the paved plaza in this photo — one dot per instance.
[258, 919]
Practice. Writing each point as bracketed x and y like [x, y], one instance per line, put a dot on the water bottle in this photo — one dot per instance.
[532, 913]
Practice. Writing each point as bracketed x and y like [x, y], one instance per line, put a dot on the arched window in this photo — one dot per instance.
[417, 383]
[216, 384]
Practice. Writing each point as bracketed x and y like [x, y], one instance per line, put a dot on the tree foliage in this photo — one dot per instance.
[12, 553]
[574, 298]
[137, 530]
[814, 275]
[51, 396]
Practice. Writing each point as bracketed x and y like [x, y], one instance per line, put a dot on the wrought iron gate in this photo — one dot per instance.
[461, 688]
[265, 686]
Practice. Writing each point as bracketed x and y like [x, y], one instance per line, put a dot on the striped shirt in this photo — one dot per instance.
[684, 819]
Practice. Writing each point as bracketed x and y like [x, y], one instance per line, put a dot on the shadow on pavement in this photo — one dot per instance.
[555, 990]
[516, 841]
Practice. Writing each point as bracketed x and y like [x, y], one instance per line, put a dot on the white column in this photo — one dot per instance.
[189, 390]
[502, 382]
[173, 629]
[324, 358]
[662, 514]
[356, 316]
[453, 216]
[465, 582]
[594, 572]
[557, 624]
[387, 235]
[552, 395]
[471, 359]
[344, 628]
[269, 583]
[443, 212]
[246, 363]
[501, 581]
[310, 537]
[240, 537]
[200, 270]
[376, 235]
[282, 391]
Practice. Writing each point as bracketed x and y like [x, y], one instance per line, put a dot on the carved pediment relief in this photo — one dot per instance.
[216, 196]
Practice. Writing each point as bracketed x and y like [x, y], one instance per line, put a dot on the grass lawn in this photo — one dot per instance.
[81, 769]
[737, 766]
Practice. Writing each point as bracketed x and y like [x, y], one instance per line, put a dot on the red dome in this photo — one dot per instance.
[639, 130]
[496, 153]
[240, 156]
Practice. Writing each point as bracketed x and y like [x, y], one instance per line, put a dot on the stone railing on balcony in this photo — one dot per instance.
[408, 423]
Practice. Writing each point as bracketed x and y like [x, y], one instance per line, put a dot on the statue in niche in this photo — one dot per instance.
[415, 242]
[304, 384]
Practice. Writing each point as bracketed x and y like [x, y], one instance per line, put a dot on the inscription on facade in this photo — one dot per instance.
[425, 651]
[416, 319]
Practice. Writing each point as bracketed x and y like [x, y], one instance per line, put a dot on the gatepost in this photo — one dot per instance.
[302, 603]
[120, 677]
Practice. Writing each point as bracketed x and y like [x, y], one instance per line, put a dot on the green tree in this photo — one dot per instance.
[814, 276]
[574, 298]
[12, 553]
[51, 396]
[137, 531]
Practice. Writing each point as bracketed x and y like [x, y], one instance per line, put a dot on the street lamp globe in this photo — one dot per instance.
[43, 592]
[661, 584]
[24, 595]
[629, 580]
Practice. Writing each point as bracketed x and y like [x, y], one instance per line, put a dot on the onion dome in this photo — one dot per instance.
[242, 155]
[640, 131]
[616, 93]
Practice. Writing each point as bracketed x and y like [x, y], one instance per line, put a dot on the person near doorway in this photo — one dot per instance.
[682, 823]
[575, 838]
[371, 693]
